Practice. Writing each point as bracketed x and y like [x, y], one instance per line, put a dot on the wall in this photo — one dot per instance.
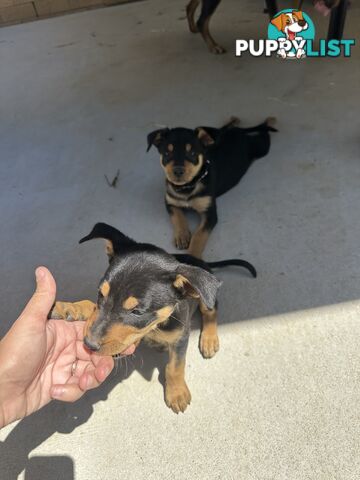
[17, 11]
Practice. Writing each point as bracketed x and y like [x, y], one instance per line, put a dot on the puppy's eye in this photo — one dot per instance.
[136, 312]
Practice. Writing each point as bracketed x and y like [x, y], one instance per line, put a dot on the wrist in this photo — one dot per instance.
[9, 406]
[7, 414]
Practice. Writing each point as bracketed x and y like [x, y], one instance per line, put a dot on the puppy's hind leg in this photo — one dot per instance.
[190, 13]
[207, 10]
[231, 123]
[209, 340]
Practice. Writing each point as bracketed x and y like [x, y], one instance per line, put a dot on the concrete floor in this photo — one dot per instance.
[78, 96]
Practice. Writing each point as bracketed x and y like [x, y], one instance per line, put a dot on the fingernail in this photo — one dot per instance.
[57, 392]
[39, 273]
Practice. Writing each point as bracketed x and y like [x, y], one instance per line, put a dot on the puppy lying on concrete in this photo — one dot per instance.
[148, 294]
[202, 164]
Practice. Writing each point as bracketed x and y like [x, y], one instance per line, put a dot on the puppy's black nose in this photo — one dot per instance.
[178, 171]
[91, 345]
[301, 23]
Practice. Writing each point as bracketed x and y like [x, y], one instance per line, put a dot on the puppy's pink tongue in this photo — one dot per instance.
[321, 7]
[129, 351]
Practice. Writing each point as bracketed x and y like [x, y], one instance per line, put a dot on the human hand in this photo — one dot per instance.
[43, 359]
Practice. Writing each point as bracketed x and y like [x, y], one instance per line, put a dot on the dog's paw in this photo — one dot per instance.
[217, 49]
[209, 345]
[193, 28]
[182, 239]
[177, 397]
[72, 311]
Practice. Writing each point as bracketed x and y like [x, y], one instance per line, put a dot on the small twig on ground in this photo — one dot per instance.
[115, 180]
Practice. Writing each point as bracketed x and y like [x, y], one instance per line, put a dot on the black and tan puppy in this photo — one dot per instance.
[200, 165]
[148, 294]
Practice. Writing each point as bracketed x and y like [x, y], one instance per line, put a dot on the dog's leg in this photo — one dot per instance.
[209, 340]
[177, 394]
[207, 10]
[190, 12]
[72, 311]
[182, 234]
[232, 122]
[201, 235]
[271, 7]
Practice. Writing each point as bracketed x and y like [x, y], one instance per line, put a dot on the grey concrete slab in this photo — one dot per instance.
[78, 96]
[279, 401]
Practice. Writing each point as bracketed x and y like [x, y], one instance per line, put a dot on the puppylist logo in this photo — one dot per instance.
[291, 29]
[291, 35]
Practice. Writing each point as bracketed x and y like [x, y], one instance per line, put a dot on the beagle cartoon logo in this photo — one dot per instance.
[291, 29]
[291, 35]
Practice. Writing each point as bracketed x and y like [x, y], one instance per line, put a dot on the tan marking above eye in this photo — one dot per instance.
[188, 147]
[105, 288]
[164, 313]
[130, 303]
[170, 147]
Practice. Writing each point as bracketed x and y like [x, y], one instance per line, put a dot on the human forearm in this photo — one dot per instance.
[12, 401]
[8, 413]
[2, 418]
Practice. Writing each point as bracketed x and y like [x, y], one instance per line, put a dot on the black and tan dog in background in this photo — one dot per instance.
[208, 8]
[202, 164]
[149, 294]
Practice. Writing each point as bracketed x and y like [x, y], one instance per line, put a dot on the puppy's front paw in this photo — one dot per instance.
[177, 397]
[182, 239]
[72, 311]
[209, 345]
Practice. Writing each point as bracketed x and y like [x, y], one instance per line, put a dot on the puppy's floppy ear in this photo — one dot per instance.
[204, 136]
[116, 242]
[197, 283]
[156, 137]
[278, 22]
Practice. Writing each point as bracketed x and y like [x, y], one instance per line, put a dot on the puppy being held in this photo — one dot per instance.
[149, 294]
[202, 164]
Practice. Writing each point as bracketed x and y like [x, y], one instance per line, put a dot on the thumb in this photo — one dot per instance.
[39, 305]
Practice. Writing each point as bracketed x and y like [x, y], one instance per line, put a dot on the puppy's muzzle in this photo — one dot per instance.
[91, 344]
[178, 171]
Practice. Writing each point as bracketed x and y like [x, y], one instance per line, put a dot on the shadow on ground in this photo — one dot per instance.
[65, 418]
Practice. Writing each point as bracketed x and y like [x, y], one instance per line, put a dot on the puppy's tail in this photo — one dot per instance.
[267, 126]
[234, 262]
